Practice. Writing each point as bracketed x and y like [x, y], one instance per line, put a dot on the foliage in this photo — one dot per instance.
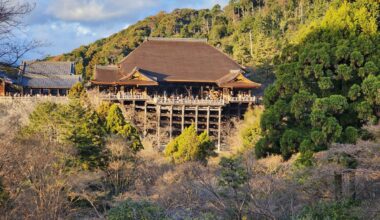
[115, 119]
[327, 83]
[116, 124]
[131, 210]
[3, 194]
[77, 91]
[190, 147]
[266, 25]
[251, 130]
[330, 210]
[232, 175]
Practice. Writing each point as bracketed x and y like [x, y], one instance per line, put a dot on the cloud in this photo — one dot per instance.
[102, 10]
[97, 10]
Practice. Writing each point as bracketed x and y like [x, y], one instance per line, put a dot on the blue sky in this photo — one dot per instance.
[66, 24]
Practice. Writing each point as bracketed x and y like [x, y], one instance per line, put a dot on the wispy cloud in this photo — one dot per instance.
[97, 10]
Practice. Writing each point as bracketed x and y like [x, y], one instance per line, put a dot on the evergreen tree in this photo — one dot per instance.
[327, 84]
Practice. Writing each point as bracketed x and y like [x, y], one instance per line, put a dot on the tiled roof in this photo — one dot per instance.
[58, 75]
[173, 60]
[48, 68]
[51, 82]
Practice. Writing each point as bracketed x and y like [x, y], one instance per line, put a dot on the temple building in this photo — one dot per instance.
[47, 78]
[177, 82]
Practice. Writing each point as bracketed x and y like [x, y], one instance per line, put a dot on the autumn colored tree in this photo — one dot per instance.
[327, 83]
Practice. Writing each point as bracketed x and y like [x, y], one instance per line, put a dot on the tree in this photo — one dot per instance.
[11, 50]
[250, 132]
[116, 124]
[131, 210]
[190, 147]
[115, 119]
[327, 83]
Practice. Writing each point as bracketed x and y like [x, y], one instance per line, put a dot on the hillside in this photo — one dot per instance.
[252, 32]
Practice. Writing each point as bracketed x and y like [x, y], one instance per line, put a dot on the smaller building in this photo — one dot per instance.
[7, 84]
[47, 78]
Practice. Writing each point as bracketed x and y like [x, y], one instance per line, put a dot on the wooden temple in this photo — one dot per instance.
[176, 82]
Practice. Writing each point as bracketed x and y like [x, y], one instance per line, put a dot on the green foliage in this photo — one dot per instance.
[77, 91]
[327, 83]
[271, 26]
[116, 124]
[233, 174]
[190, 147]
[73, 124]
[250, 131]
[115, 119]
[350, 135]
[131, 135]
[341, 210]
[131, 210]
[4, 196]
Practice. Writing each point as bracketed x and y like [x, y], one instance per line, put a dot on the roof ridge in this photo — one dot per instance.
[196, 40]
[107, 67]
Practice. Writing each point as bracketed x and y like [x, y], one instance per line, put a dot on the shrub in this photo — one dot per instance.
[329, 210]
[190, 147]
[115, 119]
[131, 210]
[250, 131]
[350, 135]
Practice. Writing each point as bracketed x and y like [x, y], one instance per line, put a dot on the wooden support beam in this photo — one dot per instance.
[158, 112]
[145, 118]
[239, 110]
[219, 127]
[171, 122]
[208, 120]
[183, 118]
[196, 118]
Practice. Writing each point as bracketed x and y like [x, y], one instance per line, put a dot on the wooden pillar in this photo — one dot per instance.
[208, 120]
[183, 118]
[196, 118]
[158, 112]
[219, 126]
[145, 118]
[171, 122]
[239, 110]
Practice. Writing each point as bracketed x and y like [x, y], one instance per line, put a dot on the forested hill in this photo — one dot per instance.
[251, 31]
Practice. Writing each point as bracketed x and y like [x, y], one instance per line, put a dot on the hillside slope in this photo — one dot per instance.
[250, 32]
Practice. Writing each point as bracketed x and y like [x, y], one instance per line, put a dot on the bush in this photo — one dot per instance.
[251, 131]
[350, 135]
[115, 119]
[131, 210]
[3, 194]
[327, 210]
[190, 147]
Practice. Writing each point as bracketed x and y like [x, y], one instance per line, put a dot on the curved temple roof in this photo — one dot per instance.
[173, 60]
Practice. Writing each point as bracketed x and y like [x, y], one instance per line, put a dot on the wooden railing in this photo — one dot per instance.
[125, 97]
[181, 101]
[34, 98]
[250, 99]
[184, 101]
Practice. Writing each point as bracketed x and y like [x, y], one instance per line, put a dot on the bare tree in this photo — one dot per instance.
[12, 49]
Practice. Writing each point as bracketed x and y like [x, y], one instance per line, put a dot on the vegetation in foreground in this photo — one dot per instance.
[78, 160]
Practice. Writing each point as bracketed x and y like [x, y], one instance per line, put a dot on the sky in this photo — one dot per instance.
[64, 25]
